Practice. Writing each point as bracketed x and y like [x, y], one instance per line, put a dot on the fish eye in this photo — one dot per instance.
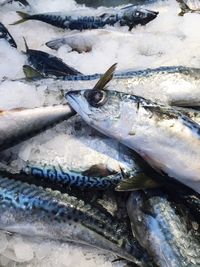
[96, 98]
[2, 34]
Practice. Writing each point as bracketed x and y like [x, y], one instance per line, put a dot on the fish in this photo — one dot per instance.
[47, 64]
[159, 84]
[4, 34]
[172, 85]
[84, 160]
[165, 228]
[164, 137]
[127, 16]
[41, 212]
[84, 41]
[17, 125]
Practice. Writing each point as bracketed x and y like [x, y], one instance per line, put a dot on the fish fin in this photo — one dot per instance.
[98, 170]
[24, 17]
[24, 2]
[31, 73]
[184, 7]
[105, 78]
[137, 182]
[26, 45]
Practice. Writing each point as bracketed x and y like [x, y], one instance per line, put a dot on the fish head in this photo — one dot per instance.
[4, 34]
[107, 111]
[133, 16]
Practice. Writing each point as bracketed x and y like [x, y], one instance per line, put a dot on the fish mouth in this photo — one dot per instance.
[80, 108]
[72, 100]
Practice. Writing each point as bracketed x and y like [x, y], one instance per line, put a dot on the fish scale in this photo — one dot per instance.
[72, 219]
[72, 178]
[164, 227]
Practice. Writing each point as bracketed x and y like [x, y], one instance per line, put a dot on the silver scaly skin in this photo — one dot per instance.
[165, 228]
[34, 211]
[17, 125]
[168, 140]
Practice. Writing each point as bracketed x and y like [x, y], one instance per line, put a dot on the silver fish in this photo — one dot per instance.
[165, 228]
[177, 85]
[84, 41]
[17, 125]
[34, 211]
[168, 140]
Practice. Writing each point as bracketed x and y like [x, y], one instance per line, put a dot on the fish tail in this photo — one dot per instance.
[23, 15]
[184, 8]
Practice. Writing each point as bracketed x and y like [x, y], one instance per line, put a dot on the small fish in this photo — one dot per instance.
[165, 228]
[128, 16]
[4, 34]
[17, 125]
[168, 140]
[48, 65]
[35, 211]
[84, 41]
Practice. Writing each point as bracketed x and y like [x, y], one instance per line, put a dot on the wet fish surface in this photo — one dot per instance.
[165, 228]
[18, 124]
[4, 34]
[127, 16]
[164, 137]
[50, 214]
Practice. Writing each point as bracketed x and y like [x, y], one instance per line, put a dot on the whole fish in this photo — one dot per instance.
[4, 34]
[165, 228]
[34, 211]
[17, 125]
[47, 64]
[168, 140]
[177, 85]
[128, 16]
[84, 41]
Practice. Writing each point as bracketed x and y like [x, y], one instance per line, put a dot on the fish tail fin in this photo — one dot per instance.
[24, 17]
[137, 182]
[184, 8]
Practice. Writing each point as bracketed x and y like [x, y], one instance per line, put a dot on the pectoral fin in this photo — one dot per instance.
[137, 182]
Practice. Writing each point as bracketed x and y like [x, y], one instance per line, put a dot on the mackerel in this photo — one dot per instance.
[34, 211]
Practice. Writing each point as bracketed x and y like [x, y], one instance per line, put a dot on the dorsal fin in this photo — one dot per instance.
[105, 78]
[26, 45]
